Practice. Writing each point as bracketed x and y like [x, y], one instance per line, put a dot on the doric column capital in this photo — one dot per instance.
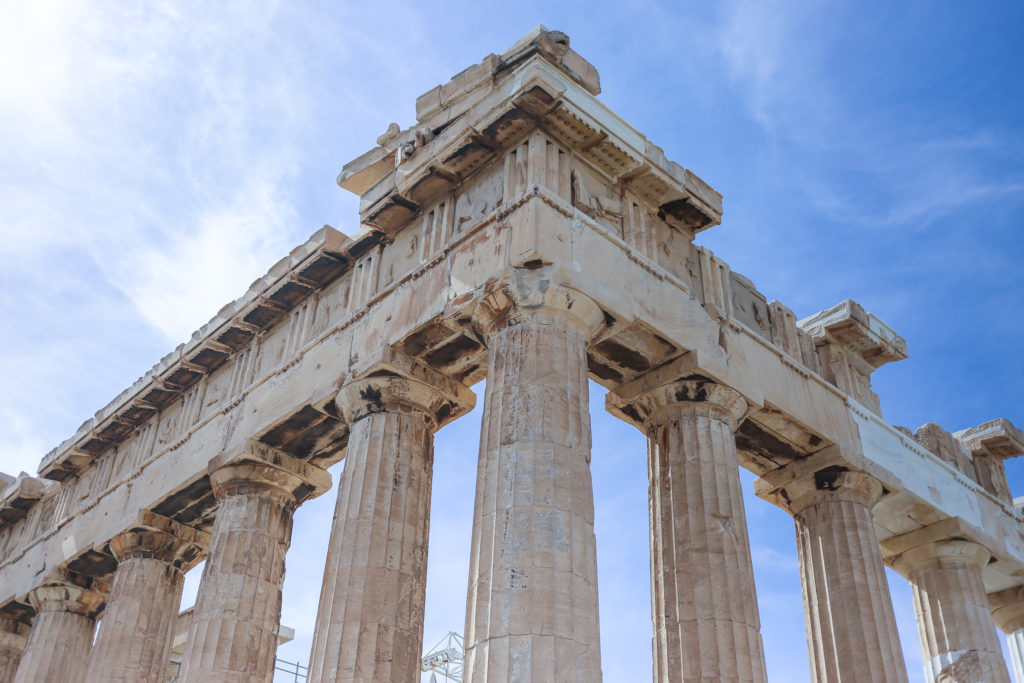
[947, 543]
[820, 478]
[1008, 608]
[833, 483]
[531, 296]
[395, 382]
[66, 591]
[671, 390]
[157, 537]
[13, 634]
[698, 395]
[259, 468]
[944, 553]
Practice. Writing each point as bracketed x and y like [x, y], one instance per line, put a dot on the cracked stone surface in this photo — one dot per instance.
[959, 642]
[233, 633]
[61, 636]
[369, 625]
[851, 625]
[533, 609]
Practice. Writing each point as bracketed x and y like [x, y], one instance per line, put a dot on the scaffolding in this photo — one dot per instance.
[297, 671]
[445, 658]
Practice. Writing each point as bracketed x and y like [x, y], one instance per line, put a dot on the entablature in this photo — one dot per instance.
[411, 169]
[308, 268]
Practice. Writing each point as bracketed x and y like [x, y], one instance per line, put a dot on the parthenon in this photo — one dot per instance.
[523, 234]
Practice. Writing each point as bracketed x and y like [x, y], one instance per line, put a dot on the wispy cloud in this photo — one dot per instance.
[768, 557]
[778, 57]
[87, 112]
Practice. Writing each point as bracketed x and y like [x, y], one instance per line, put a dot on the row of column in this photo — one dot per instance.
[532, 611]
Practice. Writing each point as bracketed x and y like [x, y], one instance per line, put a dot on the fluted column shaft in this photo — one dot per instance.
[134, 639]
[369, 624]
[13, 635]
[235, 623]
[1008, 612]
[705, 603]
[958, 636]
[851, 626]
[1015, 641]
[533, 605]
[61, 636]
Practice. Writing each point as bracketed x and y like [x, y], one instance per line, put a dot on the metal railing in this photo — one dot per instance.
[298, 671]
[445, 658]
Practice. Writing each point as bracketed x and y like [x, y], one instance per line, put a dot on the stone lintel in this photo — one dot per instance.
[996, 438]
[1008, 608]
[951, 530]
[825, 475]
[390, 377]
[263, 464]
[862, 334]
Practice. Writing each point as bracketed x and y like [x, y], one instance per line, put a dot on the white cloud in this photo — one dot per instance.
[751, 40]
[179, 286]
[163, 140]
[767, 557]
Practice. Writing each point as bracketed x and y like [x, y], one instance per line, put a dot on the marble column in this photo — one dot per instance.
[532, 610]
[134, 639]
[704, 604]
[61, 636]
[235, 623]
[851, 626]
[959, 642]
[1008, 612]
[13, 635]
[369, 625]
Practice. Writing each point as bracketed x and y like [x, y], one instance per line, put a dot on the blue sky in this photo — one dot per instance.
[155, 161]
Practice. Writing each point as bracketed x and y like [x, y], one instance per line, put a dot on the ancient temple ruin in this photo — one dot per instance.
[523, 233]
